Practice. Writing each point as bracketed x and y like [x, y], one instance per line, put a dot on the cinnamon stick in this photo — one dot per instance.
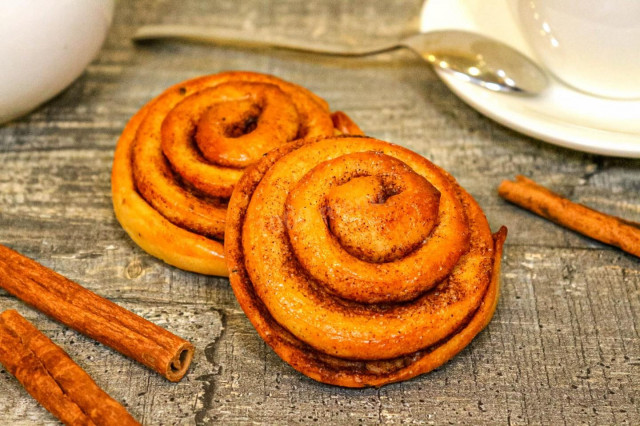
[53, 379]
[600, 226]
[94, 316]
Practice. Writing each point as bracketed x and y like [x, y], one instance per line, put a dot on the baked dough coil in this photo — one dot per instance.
[180, 156]
[360, 262]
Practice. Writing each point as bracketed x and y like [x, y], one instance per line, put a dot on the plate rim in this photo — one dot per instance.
[562, 134]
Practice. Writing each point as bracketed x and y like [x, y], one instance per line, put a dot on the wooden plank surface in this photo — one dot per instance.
[562, 348]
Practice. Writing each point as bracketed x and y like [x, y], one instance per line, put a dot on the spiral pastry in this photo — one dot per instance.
[360, 262]
[180, 156]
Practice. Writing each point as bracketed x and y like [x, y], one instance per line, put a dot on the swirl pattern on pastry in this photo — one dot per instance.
[180, 156]
[358, 261]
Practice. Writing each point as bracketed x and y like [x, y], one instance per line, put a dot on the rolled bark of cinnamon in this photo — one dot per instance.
[53, 379]
[94, 316]
[608, 229]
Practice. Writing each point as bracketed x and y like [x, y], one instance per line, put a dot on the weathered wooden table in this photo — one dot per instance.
[562, 348]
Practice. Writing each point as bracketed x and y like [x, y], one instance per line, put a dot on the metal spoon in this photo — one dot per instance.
[469, 56]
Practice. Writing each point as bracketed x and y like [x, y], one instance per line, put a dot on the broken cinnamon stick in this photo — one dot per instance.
[94, 316]
[600, 226]
[53, 379]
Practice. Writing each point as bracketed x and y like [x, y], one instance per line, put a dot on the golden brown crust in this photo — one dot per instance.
[179, 157]
[344, 125]
[148, 228]
[344, 317]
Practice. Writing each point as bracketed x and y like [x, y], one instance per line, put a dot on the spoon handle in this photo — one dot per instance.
[228, 37]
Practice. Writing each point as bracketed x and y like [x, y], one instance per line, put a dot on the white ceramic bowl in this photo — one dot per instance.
[44, 46]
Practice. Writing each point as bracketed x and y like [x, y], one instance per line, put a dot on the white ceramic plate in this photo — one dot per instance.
[560, 115]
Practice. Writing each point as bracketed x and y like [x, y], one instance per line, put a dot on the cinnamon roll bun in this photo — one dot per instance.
[358, 261]
[180, 156]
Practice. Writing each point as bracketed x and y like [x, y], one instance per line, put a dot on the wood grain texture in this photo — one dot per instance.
[562, 348]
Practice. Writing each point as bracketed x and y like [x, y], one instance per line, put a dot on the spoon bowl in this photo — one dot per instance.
[469, 56]
[479, 60]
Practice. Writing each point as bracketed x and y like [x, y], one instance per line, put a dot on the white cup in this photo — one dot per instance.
[592, 45]
[44, 46]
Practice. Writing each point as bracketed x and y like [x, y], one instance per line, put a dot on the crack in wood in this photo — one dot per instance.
[209, 380]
